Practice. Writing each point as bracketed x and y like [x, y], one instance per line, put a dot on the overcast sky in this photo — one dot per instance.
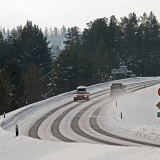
[70, 13]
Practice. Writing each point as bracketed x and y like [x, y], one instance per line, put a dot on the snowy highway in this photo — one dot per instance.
[87, 129]
[83, 121]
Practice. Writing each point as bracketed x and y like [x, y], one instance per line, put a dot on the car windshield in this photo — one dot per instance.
[115, 86]
[81, 91]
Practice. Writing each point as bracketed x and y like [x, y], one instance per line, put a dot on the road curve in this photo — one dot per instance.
[83, 122]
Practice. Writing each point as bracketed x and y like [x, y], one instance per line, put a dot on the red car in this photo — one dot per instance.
[81, 94]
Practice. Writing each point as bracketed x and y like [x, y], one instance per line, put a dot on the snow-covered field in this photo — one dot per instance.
[139, 122]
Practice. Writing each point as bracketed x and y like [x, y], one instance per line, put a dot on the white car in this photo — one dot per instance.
[81, 94]
[133, 75]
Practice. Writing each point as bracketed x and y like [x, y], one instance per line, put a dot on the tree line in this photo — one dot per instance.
[28, 72]
[25, 60]
[55, 37]
[88, 57]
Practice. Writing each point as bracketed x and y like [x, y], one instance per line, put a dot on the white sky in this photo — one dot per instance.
[70, 13]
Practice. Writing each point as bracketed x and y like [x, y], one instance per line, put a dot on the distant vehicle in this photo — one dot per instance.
[133, 75]
[130, 74]
[117, 89]
[81, 94]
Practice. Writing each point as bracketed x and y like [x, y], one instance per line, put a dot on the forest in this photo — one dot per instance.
[34, 67]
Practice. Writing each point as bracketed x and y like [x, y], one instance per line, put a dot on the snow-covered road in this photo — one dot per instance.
[139, 121]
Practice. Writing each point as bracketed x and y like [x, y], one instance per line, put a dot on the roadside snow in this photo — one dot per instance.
[139, 114]
[139, 121]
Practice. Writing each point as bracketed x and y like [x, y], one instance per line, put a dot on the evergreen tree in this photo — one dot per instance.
[35, 86]
[14, 46]
[35, 47]
[73, 39]
[65, 71]
[15, 85]
[4, 96]
[96, 31]
[86, 70]
[150, 51]
[3, 53]
[115, 34]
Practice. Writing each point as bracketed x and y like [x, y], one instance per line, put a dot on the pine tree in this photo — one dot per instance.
[150, 49]
[4, 96]
[115, 34]
[15, 85]
[3, 53]
[35, 86]
[14, 46]
[35, 47]
[96, 31]
[73, 39]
